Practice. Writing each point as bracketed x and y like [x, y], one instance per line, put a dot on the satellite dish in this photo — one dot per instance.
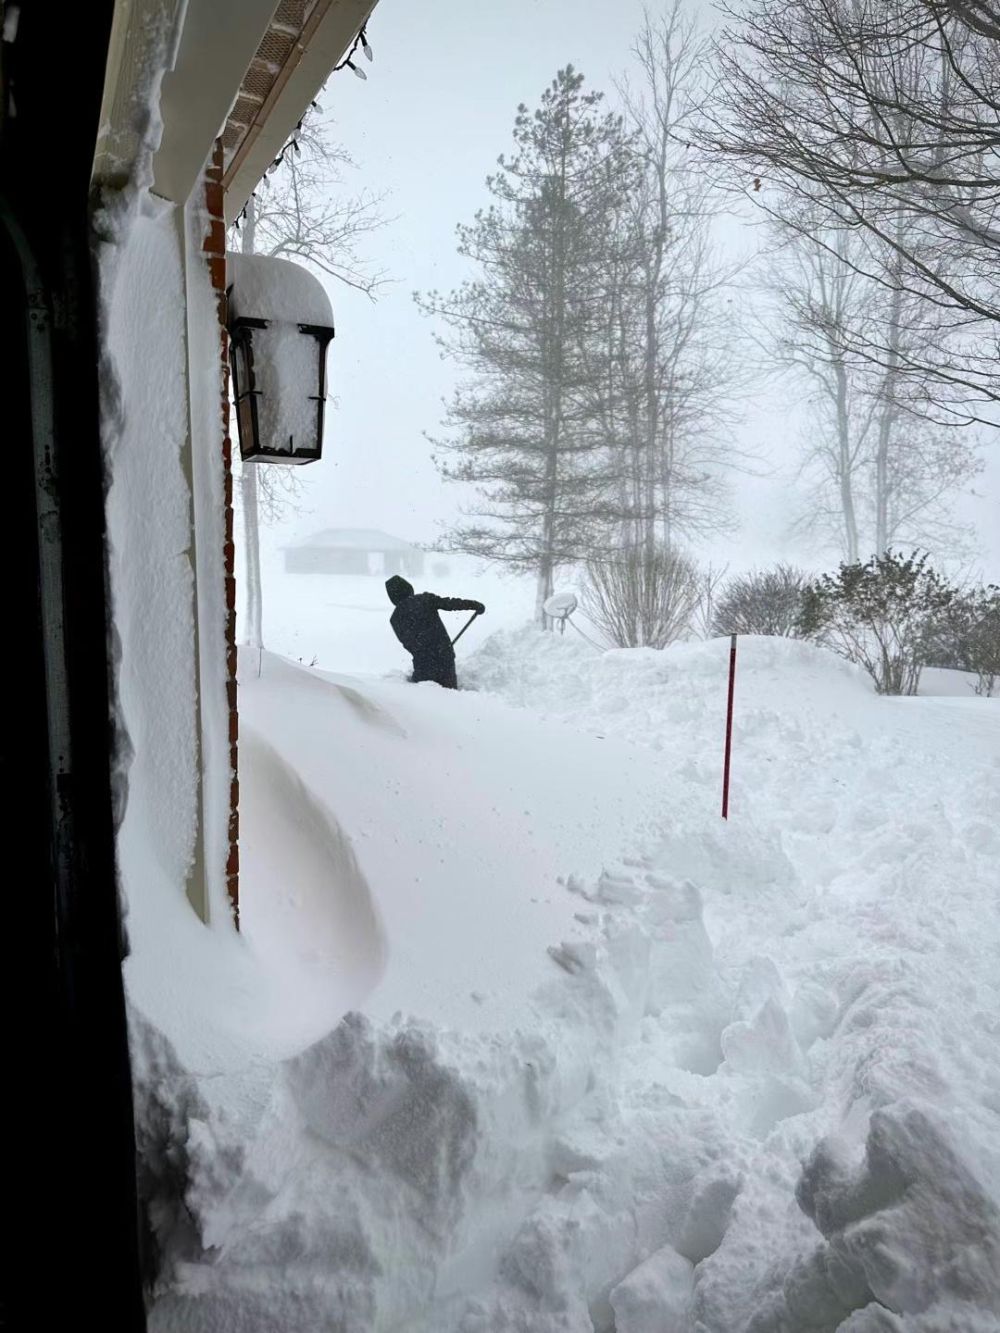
[560, 606]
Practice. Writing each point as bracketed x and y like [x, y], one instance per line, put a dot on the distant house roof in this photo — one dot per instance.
[354, 539]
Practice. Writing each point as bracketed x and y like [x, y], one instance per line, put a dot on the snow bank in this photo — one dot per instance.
[642, 693]
[721, 1078]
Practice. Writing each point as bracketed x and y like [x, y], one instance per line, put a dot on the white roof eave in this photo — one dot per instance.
[325, 48]
[218, 41]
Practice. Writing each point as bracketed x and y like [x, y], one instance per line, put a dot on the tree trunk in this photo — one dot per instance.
[546, 559]
[248, 496]
[886, 422]
[553, 342]
[543, 591]
[652, 402]
[846, 466]
[887, 419]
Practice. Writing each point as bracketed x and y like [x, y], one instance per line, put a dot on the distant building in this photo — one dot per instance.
[353, 551]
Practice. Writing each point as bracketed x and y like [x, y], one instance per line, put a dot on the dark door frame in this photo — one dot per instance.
[71, 1250]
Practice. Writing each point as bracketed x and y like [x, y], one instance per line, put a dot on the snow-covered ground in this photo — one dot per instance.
[520, 1035]
[338, 623]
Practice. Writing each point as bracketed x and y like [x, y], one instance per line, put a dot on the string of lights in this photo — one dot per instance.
[348, 61]
[361, 41]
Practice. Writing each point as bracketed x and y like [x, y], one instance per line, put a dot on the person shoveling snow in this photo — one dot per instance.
[418, 627]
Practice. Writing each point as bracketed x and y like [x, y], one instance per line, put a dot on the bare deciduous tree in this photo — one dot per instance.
[710, 581]
[303, 211]
[670, 365]
[881, 118]
[880, 471]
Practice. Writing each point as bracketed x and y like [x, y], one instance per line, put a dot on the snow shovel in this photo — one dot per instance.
[464, 628]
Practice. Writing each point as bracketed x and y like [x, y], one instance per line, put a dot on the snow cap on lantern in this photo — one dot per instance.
[280, 322]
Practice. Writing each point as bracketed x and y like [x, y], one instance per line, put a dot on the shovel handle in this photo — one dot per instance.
[464, 628]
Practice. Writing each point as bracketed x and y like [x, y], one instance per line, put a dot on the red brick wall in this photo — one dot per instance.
[215, 252]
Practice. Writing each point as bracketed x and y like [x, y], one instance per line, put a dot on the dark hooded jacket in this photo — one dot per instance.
[418, 627]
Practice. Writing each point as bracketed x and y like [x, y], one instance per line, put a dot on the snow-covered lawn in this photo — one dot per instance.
[521, 1036]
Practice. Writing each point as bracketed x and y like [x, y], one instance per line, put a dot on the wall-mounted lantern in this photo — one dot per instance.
[280, 323]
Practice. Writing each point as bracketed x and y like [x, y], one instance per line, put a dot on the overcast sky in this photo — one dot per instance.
[427, 127]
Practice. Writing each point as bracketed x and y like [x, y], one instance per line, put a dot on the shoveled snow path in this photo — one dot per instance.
[852, 907]
[461, 852]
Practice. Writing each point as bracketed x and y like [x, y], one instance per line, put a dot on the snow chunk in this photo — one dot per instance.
[656, 1296]
[921, 1219]
[393, 1103]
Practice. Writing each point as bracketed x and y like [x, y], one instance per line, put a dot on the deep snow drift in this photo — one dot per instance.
[522, 1036]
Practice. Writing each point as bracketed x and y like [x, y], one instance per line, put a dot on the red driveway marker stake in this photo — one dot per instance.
[729, 727]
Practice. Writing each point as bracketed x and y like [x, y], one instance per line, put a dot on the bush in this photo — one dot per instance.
[883, 615]
[981, 645]
[642, 598]
[767, 601]
[967, 637]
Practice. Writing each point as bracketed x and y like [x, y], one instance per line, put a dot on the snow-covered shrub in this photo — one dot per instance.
[641, 597]
[766, 601]
[968, 637]
[883, 615]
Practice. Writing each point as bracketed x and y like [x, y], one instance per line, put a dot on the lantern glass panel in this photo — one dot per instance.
[242, 361]
[285, 367]
[241, 370]
[244, 408]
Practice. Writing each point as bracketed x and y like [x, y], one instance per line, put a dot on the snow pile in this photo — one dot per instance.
[644, 693]
[609, 1063]
[861, 1043]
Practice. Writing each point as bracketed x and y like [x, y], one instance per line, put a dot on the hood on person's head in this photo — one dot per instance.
[398, 589]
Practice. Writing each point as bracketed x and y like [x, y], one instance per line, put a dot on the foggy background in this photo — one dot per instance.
[426, 128]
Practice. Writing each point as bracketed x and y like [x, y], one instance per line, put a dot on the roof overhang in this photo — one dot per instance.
[202, 49]
[245, 69]
[217, 43]
[303, 43]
